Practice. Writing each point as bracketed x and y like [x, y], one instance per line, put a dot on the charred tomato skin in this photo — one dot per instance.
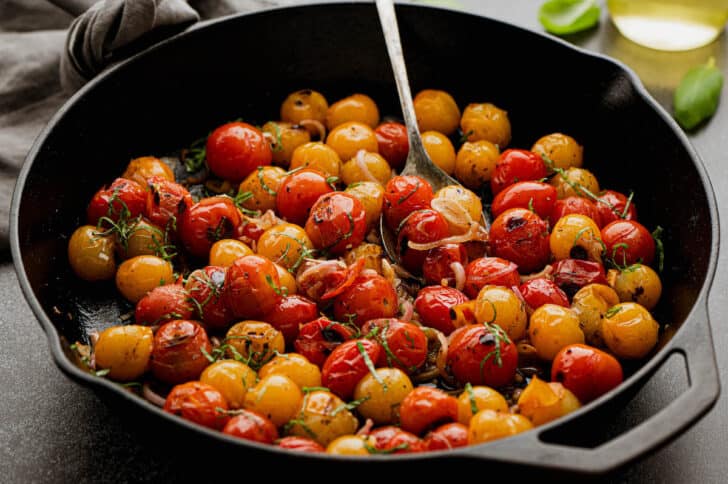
[521, 236]
[346, 365]
[368, 297]
[177, 355]
[318, 338]
[235, 149]
[472, 356]
[337, 223]
[121, 196]
[207, 221]
[403, 195]
[433, 304]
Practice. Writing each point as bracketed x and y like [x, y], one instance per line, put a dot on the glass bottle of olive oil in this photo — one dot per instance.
[669, 24]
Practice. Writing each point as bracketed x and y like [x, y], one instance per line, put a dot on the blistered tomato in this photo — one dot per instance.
[482, 355]
[337, 223]
[516, 165]
[402, 196]
[298, 192]
[234, 150]
[433, 304]
[206, 222]
[521, 236]
[586, 371]
[393, 143]
[199, 403]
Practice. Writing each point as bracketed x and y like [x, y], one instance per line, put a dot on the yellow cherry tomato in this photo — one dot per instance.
[255, 341]
[284, 138]
[348, 138]
[285, 244]
[637, 283]
[231, 378]
[371, 253]
[460, 207]
[275, 396]
[319, 156]
[440, 149]
[91, 256]
[286, 280]
[139, 275]
[225, 251]
[475, 163]
[145, 167]
[463, 314]
[350, 445]
[124, 351]
[542, 402]
[371, 195]
[477, 398]
[436, 111]
[367, 166]
[575, 182]
[382, 394]
[551, 328]
[576, 236]
[142, 238]
[590, 303]
[262, 186]
[357, 107]
[304, 104]
[488, 425]
[629, 330]
[499, 305]
[485, 121]
[323, 417]
[561, 149]
[296, 367]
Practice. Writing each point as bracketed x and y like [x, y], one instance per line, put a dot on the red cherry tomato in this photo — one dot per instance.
[539, 291]
[289, 313]
[121, 197]
[573, 274]
[206, 287]
[163, 304]
[337, 223]
[612, 207]
[347, 364]
[588, 372]
[206, 222]
[481, 356]
[437, 266]
[393, 143]
[252, 287]
[197, 402]
[575, 205]
[516, 165]
[422, 227]
[628, 242]
[391, 439]
[298, 192]
[177, 351]
[318, 338]
[489, 271]
[404, 344]
[535, 195]
[425, 408]
[447, 436]
[251, 425]
[521, 236]
[338, 280]
[368, 297]
[433, 304]
[166, 201]
[234, 150]
[404, 195]
[301, 444]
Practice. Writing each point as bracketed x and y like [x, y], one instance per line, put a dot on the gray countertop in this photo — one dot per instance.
[54, 430]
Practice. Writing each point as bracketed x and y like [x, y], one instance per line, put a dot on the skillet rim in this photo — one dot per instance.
[87, 379]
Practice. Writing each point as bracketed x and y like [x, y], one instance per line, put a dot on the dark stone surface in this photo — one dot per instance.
[52, 430]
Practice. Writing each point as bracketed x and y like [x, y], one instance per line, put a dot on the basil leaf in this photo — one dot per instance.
[563, 17]
[697, 96]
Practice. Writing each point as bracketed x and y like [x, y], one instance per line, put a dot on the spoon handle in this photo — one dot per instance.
[390, 29]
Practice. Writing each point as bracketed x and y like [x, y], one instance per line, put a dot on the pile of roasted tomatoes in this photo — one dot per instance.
[265, 308]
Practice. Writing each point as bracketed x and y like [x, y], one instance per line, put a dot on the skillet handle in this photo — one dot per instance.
[695, 343]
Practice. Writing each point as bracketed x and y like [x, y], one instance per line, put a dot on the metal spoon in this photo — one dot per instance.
[418, 161]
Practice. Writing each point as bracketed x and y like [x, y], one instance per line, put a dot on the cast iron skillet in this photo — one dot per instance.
[173, 93]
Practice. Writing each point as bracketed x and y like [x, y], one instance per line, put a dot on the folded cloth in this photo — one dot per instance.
[109, 29]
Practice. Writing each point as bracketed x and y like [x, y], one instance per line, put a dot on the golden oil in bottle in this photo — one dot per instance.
[669, 24]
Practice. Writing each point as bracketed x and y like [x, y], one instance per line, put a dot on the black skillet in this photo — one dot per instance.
[243, 66]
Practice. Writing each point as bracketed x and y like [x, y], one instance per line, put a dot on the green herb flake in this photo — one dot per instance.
[564, 17]
[471, 398]
[696, 98]
[659, 248]
[350, 406]
[612, 311]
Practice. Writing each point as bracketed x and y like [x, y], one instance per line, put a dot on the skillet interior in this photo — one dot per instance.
[244, 67]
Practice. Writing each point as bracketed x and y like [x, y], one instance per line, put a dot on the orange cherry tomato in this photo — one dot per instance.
[425, 407]
[235, 149]
[588, 372]
[337, 223]
[252, 287]
[197, 402]
[177, 352]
